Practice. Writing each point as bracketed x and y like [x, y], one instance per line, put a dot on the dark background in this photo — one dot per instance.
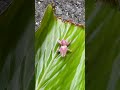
[102, 45]
[17, 45]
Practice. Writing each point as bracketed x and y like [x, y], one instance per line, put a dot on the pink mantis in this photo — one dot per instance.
[64, 47]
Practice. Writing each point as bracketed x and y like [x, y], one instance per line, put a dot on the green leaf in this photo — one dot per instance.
[102, 46]
[54, 72]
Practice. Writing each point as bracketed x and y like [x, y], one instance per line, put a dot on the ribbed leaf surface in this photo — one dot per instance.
[54, 72]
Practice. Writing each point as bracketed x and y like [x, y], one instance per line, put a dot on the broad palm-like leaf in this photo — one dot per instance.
[102, 46]
[54, 72]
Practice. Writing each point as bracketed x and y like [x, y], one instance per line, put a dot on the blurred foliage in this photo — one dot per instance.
[102, 46]
[17, 46]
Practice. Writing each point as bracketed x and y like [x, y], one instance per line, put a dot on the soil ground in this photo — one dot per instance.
[67, 9]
